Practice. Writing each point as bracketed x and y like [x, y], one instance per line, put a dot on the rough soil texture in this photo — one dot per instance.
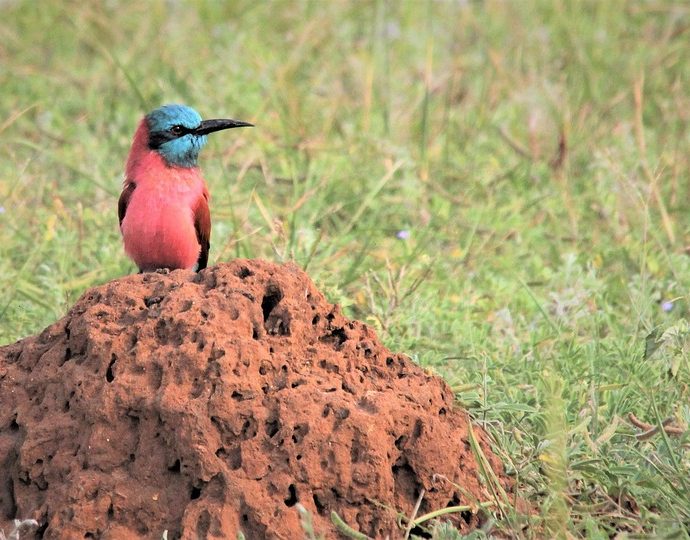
[203, 404]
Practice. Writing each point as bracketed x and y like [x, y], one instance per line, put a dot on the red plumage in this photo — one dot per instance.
[163, 210]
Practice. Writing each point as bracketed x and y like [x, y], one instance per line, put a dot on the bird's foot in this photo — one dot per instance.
[163, 271]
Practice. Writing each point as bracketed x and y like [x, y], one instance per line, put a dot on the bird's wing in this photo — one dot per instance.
[123, 202]
[202, 224]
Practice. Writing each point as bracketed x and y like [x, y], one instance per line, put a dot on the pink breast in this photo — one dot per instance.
[158, 227]
[160, 234]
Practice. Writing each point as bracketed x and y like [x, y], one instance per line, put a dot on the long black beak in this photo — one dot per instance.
[209, 126]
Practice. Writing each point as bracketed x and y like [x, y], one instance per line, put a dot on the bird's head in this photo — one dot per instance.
[178, 133]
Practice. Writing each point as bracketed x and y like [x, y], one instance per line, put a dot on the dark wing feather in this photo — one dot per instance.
[202, 224]
[123, 202]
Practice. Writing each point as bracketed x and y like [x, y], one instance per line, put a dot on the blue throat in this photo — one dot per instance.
[183, 151]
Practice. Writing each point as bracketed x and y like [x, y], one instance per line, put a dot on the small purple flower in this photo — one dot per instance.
[667, 306]
[403, 235]
[2, 209]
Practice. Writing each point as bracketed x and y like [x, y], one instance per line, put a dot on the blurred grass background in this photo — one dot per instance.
[499, 188]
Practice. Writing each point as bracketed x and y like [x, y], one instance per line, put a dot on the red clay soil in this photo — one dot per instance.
[204, 404]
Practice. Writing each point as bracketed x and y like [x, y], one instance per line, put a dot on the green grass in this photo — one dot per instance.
[538, 153]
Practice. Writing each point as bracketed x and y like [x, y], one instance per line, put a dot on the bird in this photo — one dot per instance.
[163, 208]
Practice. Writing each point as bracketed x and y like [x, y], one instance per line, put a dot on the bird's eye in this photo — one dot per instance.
[177, 130]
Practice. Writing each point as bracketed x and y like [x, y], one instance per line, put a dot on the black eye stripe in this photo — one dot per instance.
[158, 138]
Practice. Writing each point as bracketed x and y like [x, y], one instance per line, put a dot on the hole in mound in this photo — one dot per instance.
[111, 511]
[13, 425]
[272, 427]
[315, 320]
[330, 367]
[300, 431]
[244, 272]
[292, 496]
[405, 478]
[249, 429]
[278, 324]
[109, 375]
[320, 507]
[270, 300]
[420, 533]
[175, 467]
[152, 300]
[256, 333]
[337, 336]
[342, 413]
[41, 482]
[195, 493]
[276, 321]
[345, 386]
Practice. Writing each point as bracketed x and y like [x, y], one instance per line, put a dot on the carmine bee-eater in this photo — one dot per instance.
[163, 209]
